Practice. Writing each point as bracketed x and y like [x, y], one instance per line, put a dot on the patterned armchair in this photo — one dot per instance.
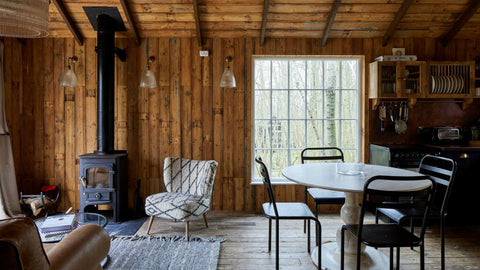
[189, 185]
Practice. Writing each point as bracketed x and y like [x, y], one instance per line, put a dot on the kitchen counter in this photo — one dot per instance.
[453, 148]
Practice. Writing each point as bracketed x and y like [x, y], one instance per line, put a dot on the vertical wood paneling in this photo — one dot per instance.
[187, 115]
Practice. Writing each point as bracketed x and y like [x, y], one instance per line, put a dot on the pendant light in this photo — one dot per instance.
[24, 18]
[68, 77]
[148, 78]
[228, 79]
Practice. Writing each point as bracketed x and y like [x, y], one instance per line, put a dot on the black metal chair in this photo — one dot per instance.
[390, 235]
[442, 171]
[322, 196]
[289, 210]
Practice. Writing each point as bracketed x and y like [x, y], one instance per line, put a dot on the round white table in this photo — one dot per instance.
[324, 175]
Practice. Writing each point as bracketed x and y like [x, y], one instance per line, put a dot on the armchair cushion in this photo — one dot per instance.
[177, 206]
[21, 247]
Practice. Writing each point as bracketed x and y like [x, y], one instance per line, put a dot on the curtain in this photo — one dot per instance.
[9, 201]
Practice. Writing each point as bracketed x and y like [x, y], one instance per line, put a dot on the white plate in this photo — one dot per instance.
[432, 91]
[449, 84]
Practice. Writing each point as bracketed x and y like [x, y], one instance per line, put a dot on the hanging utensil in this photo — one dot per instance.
[382, 114]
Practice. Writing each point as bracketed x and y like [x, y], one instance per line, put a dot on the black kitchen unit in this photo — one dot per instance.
[463, 204]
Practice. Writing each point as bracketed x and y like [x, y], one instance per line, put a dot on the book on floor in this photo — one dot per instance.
[58, 223]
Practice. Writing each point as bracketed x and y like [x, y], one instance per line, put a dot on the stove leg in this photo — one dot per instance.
[150, 224]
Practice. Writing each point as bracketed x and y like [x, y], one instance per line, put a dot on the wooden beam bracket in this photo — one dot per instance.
[396, 20]
[266, 3]
[132, 24]
[197, 22]
[331, 18]
[68, 20]
[466, 15]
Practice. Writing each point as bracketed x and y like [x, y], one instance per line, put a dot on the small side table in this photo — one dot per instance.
[81, 218]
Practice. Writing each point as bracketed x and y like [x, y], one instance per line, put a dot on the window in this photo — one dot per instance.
[304, 102]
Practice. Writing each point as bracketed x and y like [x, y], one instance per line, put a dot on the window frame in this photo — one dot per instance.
[361, 106]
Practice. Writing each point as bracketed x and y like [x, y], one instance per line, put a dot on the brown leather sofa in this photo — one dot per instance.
[21, 247]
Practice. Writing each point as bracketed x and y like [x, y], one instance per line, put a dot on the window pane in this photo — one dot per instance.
[332, 74]
[295, 157]
[332, 133]
[314, 104]
[279, 162]
[297, 134]
[314, 133]
[349, 74]
[279, 134]
[297, 74]
[315, 74]
[262, 134]
[262, 74]
[280, 74]
[350, 155]
[349, 104]
[265, 155]
[262, 104]
[349, 134]
[280, 104]
[332, 104]
[297, 104]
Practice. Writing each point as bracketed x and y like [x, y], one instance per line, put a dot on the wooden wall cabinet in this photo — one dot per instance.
[397, 79]
[418, 79]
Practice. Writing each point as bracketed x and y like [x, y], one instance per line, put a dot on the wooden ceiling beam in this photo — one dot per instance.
[133, 26]
[396, 20]
[266, 3]
[68, 21]
[197, 22]
[331, 18]
[467, 14]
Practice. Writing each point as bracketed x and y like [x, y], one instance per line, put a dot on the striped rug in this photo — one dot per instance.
[172, 253]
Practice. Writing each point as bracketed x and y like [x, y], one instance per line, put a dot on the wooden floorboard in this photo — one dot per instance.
[247, 235]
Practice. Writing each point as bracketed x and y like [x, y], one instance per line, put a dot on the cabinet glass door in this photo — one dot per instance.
[411, 79]
[388, 81]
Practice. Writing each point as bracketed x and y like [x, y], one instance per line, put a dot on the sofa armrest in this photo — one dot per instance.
[84, 248]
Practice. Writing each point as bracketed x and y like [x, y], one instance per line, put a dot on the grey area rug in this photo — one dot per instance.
[172, 253]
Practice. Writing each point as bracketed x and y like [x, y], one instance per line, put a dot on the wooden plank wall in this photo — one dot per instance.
[187, 115]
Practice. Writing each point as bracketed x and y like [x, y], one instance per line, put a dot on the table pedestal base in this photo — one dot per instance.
[372, 259]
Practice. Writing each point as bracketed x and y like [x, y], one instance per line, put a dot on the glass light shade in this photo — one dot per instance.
[24, 18]
[148, 79]
[68, 78]
[228, 79]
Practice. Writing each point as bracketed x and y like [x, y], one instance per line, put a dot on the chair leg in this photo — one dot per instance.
[319, 236]
[150, 224]
[398, 257]
[205, 219]
[376, 216]
[359, 253]
[342, 249]
[305, 221]
[269, 234]
[442, 244]
[412, 229]
[422, 257]
[277, 244]
[308, 237]
[187, 231]
[391, 258]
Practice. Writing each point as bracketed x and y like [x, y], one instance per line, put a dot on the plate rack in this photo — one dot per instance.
[450, 79]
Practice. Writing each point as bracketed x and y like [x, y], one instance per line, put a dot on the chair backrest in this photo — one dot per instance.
[194, 177]
[322, 154]
[262, 169]
[20, 245]
[442, 170]
[422, 195]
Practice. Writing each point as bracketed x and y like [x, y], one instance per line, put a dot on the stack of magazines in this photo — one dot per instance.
[57, 225]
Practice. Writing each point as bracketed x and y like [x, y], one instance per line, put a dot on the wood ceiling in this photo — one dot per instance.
[324, 19]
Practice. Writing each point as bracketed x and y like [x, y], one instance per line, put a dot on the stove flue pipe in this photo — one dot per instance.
[106, 84]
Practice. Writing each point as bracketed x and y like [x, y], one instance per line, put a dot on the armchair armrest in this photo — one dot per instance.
[84, 248]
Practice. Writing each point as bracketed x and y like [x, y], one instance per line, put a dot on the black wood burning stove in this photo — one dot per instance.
[104, 173]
